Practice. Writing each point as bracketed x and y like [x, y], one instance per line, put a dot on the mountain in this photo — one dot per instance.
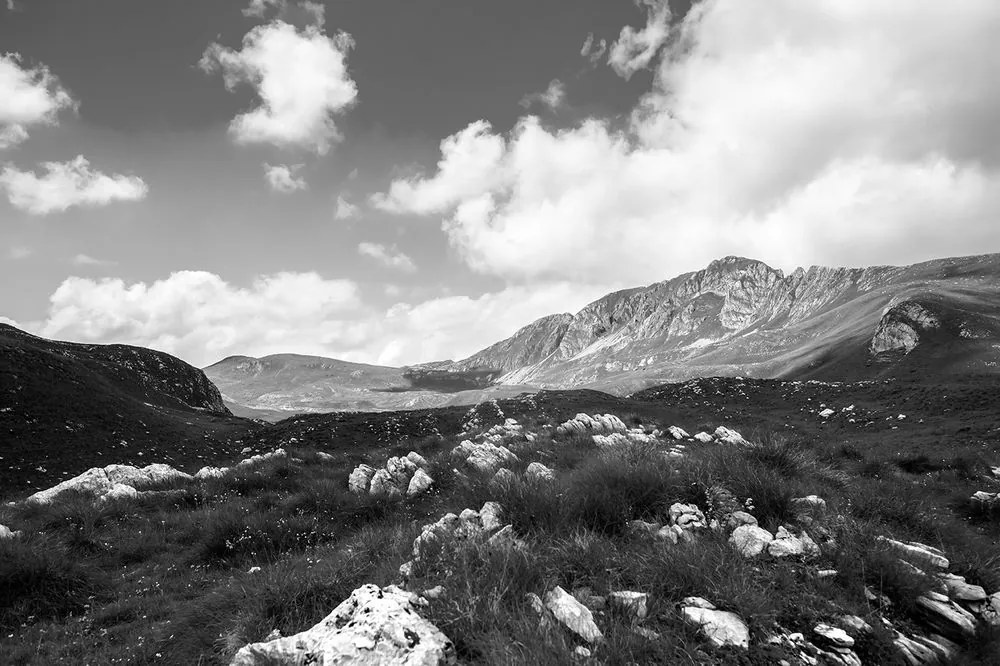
[275, 387]
[65, 405]
[739, 316]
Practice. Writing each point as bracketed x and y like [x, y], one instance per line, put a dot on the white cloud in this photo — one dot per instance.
[282, 178]
[469, 166]
[552, 97]
[345, 210]
[202, 318]
[829, 132]
[390, 256]
[635, 49]
[593, 50]
[300, 77]
[28, 96]
[87, 260]
[67, 184]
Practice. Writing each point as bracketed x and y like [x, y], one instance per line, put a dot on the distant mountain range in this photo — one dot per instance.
[737, 317]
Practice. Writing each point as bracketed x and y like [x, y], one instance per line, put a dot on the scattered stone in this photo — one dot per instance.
[827, 413]
[582, 652]
[808, 508]
[826, 573]
[719, 627]
[738, 519]
[402, 476]
[539, 472]
[573, 615]
[730, 436]
[435, 592]
[687, 516]
[678, 433]
[916, 551]
[632, 603]
[503, 478]
[612, 441]
[252, 461]
[360, 479]
[209, 472]
[750, 540]
[484, 457]
[855, 624]
[786, 544]
[834, 636]
[489, 516]
[704, 437]
[372, 626]
[7, 533]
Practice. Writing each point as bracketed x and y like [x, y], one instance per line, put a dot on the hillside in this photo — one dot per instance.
[275, 387]
[840, 528]
[66, 405]
[741, 317]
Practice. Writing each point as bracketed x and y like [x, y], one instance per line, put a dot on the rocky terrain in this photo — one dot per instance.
[714, 521]
[741, 317]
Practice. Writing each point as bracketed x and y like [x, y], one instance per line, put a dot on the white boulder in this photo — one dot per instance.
[573, 615]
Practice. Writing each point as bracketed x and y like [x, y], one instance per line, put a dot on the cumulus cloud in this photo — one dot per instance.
[345, 210]
[552, 97]
[830, 132]
[300, 77]
[389, 256]
[593, 50]
[258, 8]
[68, 184]
[202, 318]
[635, 49]
[28, 96]
[282, 178]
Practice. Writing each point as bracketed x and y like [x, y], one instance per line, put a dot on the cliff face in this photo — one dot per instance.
[740, 316]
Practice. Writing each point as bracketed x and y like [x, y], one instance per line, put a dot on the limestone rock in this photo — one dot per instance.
[209, 472]
[372, 626]
[360, 479]
[729, 436]
[704, 437]
[918, 552]
[489, 516]
[419, 483]
[678, 433]
[687, 516]
[539, 472]
[7, 533]
[947, 618]
[634, 604]
[750, 540]
[959, 590]
[584, 424]
[484, 457]
[383, 485]
[834, 636]
[503, 478]
[99, 481]
[719, 627]
[738, 519]
[573, 615]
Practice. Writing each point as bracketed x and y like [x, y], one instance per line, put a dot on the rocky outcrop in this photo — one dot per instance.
[585, 424]
[483, 457]
[111, 482]
[401, 477]
[373, 626]
[470, 528]
[527, 346]
[901, 326]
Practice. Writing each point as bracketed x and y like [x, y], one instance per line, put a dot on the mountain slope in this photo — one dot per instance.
[66, 405]
[277, 386]
[742, 317]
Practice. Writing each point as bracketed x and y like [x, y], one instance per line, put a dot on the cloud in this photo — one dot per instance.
[258, 8]
[469, 166]
[345, 210]
[68, 184]
[635, 49]
[28, 96]
[827, 132]
[390, 256]
[282, 178]
[593, 50]
[202, 318]
[300, 77]
[87, 260]
[552, 97]
[18, 252]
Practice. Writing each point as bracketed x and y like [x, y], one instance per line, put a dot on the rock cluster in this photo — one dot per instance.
[401, 477]
[483, 457]
[111, 482]
[372, 626]
[468, 528]
[601, 424]
[684, 521]
[209, 472]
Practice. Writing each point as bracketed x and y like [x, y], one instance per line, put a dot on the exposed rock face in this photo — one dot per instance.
[737, 316]
[901, 326]
[372, 626]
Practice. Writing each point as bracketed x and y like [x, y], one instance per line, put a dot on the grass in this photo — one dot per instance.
[194, 571]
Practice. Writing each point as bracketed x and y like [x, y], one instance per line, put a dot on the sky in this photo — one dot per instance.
[397, 182]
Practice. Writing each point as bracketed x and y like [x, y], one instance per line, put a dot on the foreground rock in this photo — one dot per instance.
[372, 626]
[719, 627]
[573, 615]
[112, 482]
